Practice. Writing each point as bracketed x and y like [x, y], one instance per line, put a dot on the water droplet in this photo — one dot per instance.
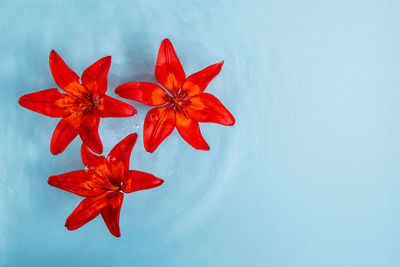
[136, 127]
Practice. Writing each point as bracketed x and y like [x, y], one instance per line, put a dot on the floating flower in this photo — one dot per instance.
[183, 105]
[81, 108]
[103, 185]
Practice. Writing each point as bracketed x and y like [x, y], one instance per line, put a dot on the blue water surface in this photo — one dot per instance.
[308, 176]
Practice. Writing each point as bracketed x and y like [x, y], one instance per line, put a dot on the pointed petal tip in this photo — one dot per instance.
[69, 226]
[22, 101]
[118, 90]
[50, 180]
[205, 148]
[55, 151]
[232, 122]
[107, 59]
[132, 137]
[133, 111]
[160, 181]
[149, 148]
[135, 135]
[53, 54]
[117, 235]
[218, 66]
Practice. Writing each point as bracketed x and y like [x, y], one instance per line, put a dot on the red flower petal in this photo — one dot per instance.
[190, 131]
[98, 164]
[137, 180]
[89, 132]
[158, 125]
[83, 183]
[111, 107]
[44, 102]
[66, 131]
[120, 155]
[198, 82]
[146, 93]
[94, 78]
[207, 108]
[91, 160]
[169, 71]
[87, 210]
[111, 212]
[65, 78]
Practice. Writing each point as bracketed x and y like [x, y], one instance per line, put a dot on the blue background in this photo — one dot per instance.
[308, 176]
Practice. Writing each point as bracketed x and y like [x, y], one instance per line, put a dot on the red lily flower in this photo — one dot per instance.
[81, 108]
[183, 105]
[102, 184]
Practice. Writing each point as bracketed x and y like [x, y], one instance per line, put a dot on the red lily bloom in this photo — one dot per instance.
[81, 108]
[102, 184]
[183, 105]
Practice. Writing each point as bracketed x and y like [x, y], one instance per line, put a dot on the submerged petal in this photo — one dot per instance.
[137, 180]
[44, 102]
[207, 108]
[110, 214]
[158, 125]
[96, 163]
[91, 160]
[111, 107]
[169, 71]
[198, 82]
[94, 78]
[89, 133]
[190, 131]
[146, 93]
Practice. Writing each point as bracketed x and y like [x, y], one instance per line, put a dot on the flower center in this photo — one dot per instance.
[83, 103]
[178, 101]
[90, 103]
[116, 185]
